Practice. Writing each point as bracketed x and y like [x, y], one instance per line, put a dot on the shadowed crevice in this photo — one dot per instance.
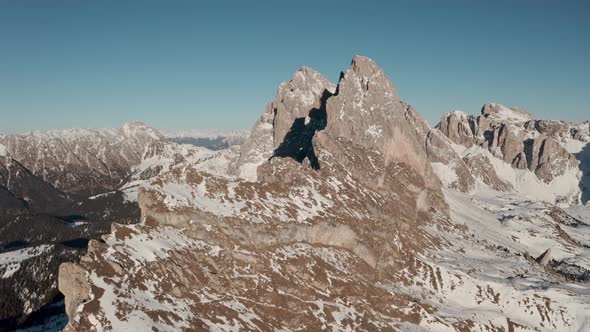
[528, 151]
[584, 158]
[297, 143]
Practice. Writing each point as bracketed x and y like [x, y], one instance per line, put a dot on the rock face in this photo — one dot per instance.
[440, 152]
[297, 103]
[376, 119]
[512, 135]
[481, 167]
[73, 283]
[366, 118]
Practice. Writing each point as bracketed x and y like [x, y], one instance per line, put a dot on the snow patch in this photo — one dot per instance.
[445, 173]
[375, 131]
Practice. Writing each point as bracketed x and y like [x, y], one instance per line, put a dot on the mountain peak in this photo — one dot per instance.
[134, 123]
[134, 128]
[304, 81]
[364, 66]
[366, 74]
[502, 113]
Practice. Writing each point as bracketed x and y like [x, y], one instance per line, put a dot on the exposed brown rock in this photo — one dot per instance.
[439, 149]
[296, 103]
[481, 168]
[73, 283]
[459, 128]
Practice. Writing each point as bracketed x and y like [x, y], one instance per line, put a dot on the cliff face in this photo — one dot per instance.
[298, 101]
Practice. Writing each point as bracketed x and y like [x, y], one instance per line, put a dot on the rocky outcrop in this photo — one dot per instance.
[480, 166]
[550, 159]
[284, 127]
[544, 258]
[514, 136]
[498, 113]
[459, 128]
[73, 284]
[364, 108]
[367, 116]
[439, 150]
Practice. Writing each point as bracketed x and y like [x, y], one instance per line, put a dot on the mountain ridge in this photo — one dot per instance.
[323, 221]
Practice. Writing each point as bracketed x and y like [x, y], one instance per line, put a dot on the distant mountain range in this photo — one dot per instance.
[211, 139]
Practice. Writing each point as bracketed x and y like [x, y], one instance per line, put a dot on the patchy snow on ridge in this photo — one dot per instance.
[563, 189]
[153, 246]
[485, 275]
[145, 250]
[307, 203]
[10, 261]
[177, 156]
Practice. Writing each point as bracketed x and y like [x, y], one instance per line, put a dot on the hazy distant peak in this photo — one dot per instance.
[504, 114]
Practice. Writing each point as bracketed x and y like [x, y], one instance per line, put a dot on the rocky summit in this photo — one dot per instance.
[345, 210]
[545, 148]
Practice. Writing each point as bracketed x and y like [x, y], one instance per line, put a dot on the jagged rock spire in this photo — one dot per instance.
[295, 99]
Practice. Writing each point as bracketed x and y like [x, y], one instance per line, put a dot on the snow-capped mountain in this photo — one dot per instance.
[58, 189]
[507, 149]
[212, 139]
[86, 161]
[345, 210]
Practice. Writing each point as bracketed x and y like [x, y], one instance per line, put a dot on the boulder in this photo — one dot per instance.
[544, 258]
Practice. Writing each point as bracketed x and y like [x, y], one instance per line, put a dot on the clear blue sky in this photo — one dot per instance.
[215, 64]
